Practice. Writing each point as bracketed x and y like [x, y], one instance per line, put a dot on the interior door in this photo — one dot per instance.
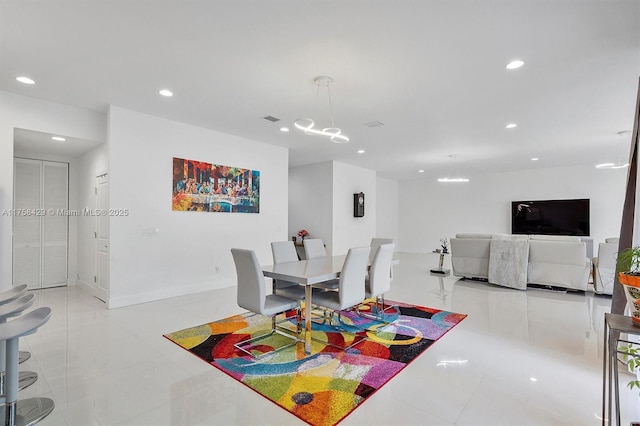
[40, 223]
[27, 194]
[102, 238]
[55, 223]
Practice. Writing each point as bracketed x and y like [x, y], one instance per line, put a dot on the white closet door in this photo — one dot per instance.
[40, 223]
[55, 184]
[27, 227]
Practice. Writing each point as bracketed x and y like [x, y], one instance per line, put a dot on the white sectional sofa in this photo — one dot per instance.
[604, 266]
[559, 261]
[470, 255]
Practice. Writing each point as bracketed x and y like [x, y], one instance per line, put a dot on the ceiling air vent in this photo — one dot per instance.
[270, 118]
[373, 124]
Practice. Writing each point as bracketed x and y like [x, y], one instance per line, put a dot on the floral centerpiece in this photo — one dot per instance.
[303, 233]
[444, 243]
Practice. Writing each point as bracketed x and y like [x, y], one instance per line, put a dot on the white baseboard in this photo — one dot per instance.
[135, 299]
[85, 286]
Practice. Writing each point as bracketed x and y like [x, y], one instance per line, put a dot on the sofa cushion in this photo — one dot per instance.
[483, 236]
[570, 252]
[470, 257]
[554, 238]
[559, 263]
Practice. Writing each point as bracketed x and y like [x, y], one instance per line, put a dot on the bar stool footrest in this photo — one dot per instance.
[23, 356]
[32, 410]
[26, 379]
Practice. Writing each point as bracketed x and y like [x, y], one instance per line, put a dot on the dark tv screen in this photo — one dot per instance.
[550, 217]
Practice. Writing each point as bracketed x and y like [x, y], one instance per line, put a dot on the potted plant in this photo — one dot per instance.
[631, 355]
[628, 268]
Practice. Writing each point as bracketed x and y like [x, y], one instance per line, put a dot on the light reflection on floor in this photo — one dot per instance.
[520, 357]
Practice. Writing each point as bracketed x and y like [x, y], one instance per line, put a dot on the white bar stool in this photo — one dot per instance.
[9, 310]
[13, 293]
[8, 296]
[31, 410]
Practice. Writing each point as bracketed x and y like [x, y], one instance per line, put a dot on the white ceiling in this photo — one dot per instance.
[432, 71]
[28, 142]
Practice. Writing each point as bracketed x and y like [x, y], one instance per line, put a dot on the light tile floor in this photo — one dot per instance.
[520, 358]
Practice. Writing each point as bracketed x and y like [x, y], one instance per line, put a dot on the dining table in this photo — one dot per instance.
[307, 273]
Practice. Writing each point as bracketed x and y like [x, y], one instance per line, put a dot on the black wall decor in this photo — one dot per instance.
[358, 204]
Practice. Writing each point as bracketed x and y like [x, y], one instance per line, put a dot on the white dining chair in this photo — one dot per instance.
[375, 243]
[285, 251]
[251, 295]
[314, 248]
[378, 282]
[350, 291]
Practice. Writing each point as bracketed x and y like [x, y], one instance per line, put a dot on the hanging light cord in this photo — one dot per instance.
[330, 106]
[307, 124]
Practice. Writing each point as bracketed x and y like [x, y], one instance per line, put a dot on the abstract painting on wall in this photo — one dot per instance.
[206, 187]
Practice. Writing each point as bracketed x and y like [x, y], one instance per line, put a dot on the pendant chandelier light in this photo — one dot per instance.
[457, 177]
[307, 125]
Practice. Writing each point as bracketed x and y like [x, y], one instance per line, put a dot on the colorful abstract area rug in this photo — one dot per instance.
[324, 387]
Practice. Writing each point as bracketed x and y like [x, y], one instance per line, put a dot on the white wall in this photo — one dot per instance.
[387, 209]
[430, 210]
[321, 201]
[311, 201]
[91, 164]
[349, 231]
[33, 114]
[182, 257]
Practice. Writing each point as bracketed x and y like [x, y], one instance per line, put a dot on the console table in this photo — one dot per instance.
[613, 325]
[439, 269]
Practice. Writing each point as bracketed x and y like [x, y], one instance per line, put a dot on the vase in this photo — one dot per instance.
[631, 285]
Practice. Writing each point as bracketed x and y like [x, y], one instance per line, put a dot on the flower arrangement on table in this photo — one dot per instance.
[444, 243]
[303, 233]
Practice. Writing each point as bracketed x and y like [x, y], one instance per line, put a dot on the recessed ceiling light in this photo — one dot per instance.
[511, 126]
[453, 180]
[612, 166]
[535, 159]
[420, 171]
[604, 166]
[25, 80]
[533, 379]
[284, 129]
[516, 63]
[166, 92]
[361, 151]
[58, 138]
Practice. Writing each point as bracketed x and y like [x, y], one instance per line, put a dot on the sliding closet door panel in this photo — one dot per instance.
[27, 223]
[55, 223]
[26, 266]
[40, 223]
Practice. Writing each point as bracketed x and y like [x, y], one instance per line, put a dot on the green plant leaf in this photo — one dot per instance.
[628, 260]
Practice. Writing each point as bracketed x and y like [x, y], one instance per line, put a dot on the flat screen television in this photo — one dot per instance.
[550, 217]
